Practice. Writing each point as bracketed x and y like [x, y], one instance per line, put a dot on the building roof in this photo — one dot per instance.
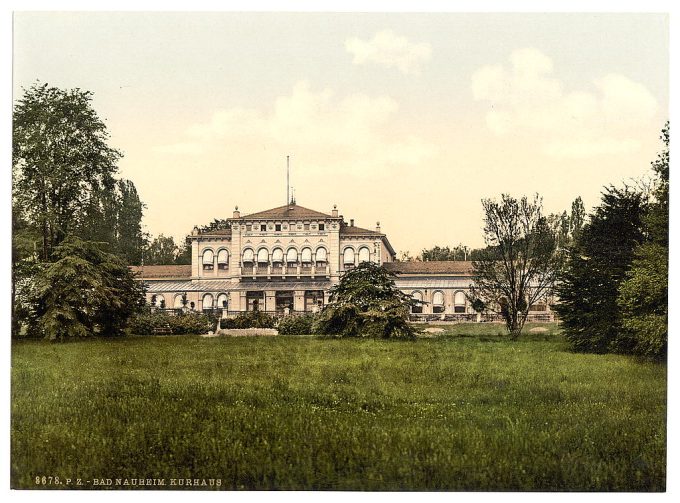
[351, 230]
[431, 267]
[216, 232]
[226, 285]
[161, 271]
[288, 212]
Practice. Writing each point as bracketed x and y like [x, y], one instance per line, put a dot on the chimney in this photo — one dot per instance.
[237, 213]
[377, 226]
[351, 222]
[335, 211]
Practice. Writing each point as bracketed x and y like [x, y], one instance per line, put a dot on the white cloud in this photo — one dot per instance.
[526, 99]
[346, 133]
[389, 50]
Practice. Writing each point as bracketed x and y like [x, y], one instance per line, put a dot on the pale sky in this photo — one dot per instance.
[409, 119]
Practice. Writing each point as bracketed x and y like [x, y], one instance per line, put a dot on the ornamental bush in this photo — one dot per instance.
[366, 303]
[149, 323]
[251, 319]
[296, 325]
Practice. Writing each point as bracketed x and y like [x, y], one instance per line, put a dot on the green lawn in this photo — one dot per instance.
[467, 410]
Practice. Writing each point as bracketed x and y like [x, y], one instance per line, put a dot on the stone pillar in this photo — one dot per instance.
[448, 301]
[299, 300]
[269, 300]
[194, 258]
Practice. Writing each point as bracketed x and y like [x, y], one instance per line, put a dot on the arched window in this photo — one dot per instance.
[459, 302]
[291, 256]
[222, 301]
[438, 302]
[207, 302]
[248, 256]
[208, 260]
[419, 307]
[223, 259]
[306, 255]
[321, 255]
[262, 256]
[364, 254]
[178, 302]
[348, 256]
[277, 256]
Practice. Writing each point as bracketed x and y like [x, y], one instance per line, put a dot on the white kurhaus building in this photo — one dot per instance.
[279, 260]
[286, 259]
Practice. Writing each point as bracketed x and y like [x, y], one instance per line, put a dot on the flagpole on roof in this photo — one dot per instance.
[287, 179]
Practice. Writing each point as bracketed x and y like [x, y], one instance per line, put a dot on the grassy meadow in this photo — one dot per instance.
[463, 410]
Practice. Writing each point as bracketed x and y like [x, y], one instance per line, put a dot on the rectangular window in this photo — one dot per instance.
[263, 227]
[278, 228]
[306, 227]
[322, 227]
[249, 227]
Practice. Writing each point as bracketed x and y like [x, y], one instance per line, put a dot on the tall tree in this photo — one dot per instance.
[161, 251]
[459, 252]
[183, 256]
[520, 265]
[643, 296]
[85, 291]
[60, 159]
[437, 253]
[130, 238]
[577, 217]
[596, 266]
[366, 303]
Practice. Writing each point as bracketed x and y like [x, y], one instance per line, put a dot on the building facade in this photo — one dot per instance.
[286, 259]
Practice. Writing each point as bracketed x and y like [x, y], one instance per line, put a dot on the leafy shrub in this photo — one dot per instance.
[296, 325]
[189, 323]
[252, 319]
[144, 323]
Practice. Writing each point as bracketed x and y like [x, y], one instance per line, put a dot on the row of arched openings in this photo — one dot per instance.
[291, 256]
[438, 301]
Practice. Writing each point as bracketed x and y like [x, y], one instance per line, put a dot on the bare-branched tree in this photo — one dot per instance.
[519, 265]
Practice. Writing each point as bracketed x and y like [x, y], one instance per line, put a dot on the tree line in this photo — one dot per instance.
[563, 226]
